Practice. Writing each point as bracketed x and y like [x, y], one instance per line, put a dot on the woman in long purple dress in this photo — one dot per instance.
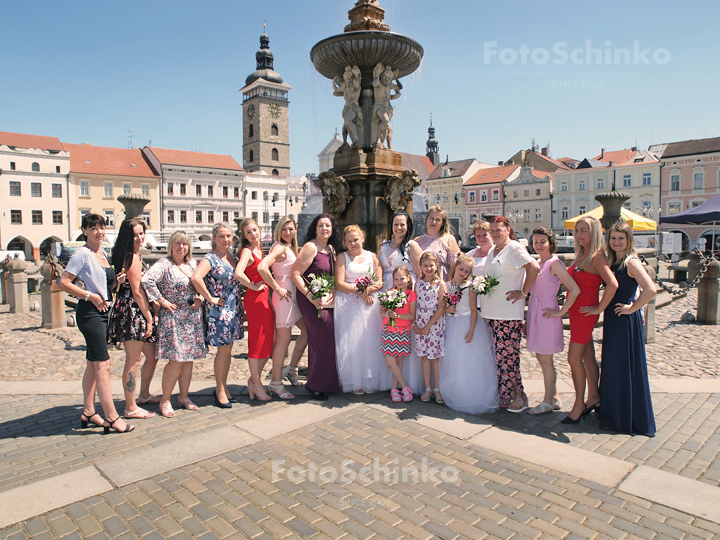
[317, 256]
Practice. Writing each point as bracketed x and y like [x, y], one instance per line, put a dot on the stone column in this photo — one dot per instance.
[4, 291]
[649, 322]
[708, 295]
[52, 299]
[19, 302]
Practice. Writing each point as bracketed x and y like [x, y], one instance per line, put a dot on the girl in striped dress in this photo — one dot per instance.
[397, 338]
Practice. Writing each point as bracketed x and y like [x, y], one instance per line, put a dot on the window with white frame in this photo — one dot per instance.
[527, 193]
[483, 196]
[107, 190]
[538, 191]
[127, 189]
[564, 186]
[646, 207]
[183, 216]
[145, 190]
[526, 214]
[675, 182]
[647, 179]
[538, 214]
[445, 196]
[171, 216]
[471, 197]
[674, 208]
[57, 191]
[581, 185]
[698, 180]
[627, 205]
[582, 209]
[84, 189]
[109, 218]
[15, 189]
[170, 188]
[515, 194]
[495, 194]
[565, 212]
[601, 183]
[695, 204]
[627, 180]
[146, 218]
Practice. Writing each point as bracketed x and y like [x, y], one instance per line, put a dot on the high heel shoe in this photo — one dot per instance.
[280, 390]
[85, 420]
[568, 420]
[220, 404]
[257, 391]
[106, 429]
[595, 407]
[291, 374]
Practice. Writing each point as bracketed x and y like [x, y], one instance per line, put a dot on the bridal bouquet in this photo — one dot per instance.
[453, 295]
[362, 283]
[392, 299]
[484, 284]
[319, 286]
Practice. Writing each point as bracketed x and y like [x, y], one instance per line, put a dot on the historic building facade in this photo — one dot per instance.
[528, 198]
[485, 193]
[34, 199]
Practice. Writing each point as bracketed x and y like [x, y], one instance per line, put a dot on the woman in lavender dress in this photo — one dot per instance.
[213, 279]
[180, 331]
[438, 240]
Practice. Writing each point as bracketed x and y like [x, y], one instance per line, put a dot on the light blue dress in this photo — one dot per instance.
[223, 325]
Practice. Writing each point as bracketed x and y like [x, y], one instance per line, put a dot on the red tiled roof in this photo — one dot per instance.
[458, 168]
[89, 159]
[618, 157]
[39, 142]
[555, 162]
[195, 159]
[492, 175]
[421, 164]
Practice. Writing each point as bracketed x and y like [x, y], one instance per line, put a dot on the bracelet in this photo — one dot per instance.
[87, 296]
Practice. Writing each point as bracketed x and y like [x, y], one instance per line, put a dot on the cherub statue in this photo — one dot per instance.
[349, 86]
[386, 87]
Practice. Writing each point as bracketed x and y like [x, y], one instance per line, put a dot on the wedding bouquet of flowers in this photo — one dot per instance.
[453, 295]
[392, 299]
[483, 284]
[319, 286]
[362, 283]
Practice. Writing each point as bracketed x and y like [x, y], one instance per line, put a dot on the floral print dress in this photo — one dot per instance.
[223, 325]
[432, 345]
[180, 334]
[126, 321]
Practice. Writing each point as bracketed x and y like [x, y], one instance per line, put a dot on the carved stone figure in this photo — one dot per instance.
[348, 86]
[399, 189]
[386, 87]
[335, 190]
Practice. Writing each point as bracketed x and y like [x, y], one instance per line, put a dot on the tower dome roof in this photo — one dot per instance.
[264, 60]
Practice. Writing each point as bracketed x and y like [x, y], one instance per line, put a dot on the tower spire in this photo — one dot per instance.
[432, 150]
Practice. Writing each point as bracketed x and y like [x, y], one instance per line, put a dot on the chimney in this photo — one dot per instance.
[634, 149]
[500, 163]
[544, 151]
[602, 153]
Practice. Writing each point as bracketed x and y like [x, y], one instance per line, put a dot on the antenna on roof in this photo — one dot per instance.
[130, 139]
[150, 142]
[200, 148]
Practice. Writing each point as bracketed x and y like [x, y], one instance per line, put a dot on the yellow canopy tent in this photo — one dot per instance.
[636, 221]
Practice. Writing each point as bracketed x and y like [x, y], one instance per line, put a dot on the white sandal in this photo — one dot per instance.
[542, 408]
[291, 374]
[279, 388]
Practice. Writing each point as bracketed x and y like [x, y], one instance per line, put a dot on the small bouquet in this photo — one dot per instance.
[484, 284]
[319, 286]
[453, 295]
[364, 282]
[392, 299]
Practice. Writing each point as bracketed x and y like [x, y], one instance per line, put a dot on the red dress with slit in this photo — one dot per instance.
[259, 314]
[582, 326]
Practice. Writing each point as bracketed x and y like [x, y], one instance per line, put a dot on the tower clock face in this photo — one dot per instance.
[251, 110]
[274, 110]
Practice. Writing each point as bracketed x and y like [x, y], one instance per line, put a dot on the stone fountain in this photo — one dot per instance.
[367, 182]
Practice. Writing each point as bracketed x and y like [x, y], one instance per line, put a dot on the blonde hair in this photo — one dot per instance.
[630, 250]
[277, 233]
[429, 255]
[405, 270]
[216, 228]
[241, 228]
[596, 243]
[353, 229]
[183, 237]
[462, 258]
[484, 225]
[445, 229]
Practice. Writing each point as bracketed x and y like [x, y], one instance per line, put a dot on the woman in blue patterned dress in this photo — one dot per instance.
[213, 279]
[180, 334]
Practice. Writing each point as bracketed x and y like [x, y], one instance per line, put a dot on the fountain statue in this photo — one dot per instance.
[367, 182]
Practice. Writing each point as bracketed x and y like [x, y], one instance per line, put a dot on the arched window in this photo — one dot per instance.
[274, 130]
[275, 172]
[275, 154]
[36, 167]
[251, 157]
[251, 130]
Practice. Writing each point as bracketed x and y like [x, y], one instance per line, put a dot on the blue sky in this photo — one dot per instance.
[88, 71]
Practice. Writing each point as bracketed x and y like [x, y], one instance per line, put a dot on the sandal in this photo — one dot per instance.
[358, 392]
[542, 408]
[279, 388]
[557, 405]
[150, 399]
[106, 429]
[518, 407]
[185, 403]
[427, 395]
[505, 402]
[85, 420]
[166, 409]
[138, 414]
[407, 394]
[395, 395]
[438, 396]
[291, 374]
[257, 391]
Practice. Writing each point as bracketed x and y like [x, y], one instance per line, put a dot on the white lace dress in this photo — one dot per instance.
[358, 334]
[468, 375]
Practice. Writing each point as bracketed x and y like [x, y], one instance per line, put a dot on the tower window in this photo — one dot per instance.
[251, 158]
[251, 130]
[275, 172]
[36, 167]
[275, 154]
[274, 130]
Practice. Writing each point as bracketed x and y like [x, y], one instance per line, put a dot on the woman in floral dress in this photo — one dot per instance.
[213, 279]
[180, 332]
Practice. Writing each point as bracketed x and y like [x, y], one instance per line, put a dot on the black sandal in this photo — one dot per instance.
[85, 420]
[106, 429]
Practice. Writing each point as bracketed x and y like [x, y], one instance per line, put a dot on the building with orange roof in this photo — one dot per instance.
[98, 174]
[34, 201]
[484, 193]
[528, 200]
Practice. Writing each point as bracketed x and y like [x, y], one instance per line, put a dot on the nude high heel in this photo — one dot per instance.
[257, 391]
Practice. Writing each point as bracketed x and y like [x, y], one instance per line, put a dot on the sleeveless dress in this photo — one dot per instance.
[478, 268]
[433, 344]
[433, 244]
[127, 323]
[626, 403]
[260, 318]
[544, 336]
[287, 312]
[322, 370]
[390, 259]
[223, 325]
[358, 334]
[581, 327]
[468, 376]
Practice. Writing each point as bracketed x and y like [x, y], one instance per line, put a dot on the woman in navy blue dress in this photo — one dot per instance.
[625, 401]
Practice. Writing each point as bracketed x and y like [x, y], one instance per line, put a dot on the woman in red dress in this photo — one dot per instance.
[260, 318]
[589, 269]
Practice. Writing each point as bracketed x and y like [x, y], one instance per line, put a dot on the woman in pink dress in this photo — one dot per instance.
[284, 301]
[544, 318]
[439, 240]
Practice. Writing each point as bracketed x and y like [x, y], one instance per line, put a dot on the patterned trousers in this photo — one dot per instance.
[507, 336]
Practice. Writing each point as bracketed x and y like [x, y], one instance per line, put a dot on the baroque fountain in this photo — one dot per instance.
[365, 63]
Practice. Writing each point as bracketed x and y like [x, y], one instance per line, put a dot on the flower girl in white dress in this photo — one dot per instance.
[468, 376]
